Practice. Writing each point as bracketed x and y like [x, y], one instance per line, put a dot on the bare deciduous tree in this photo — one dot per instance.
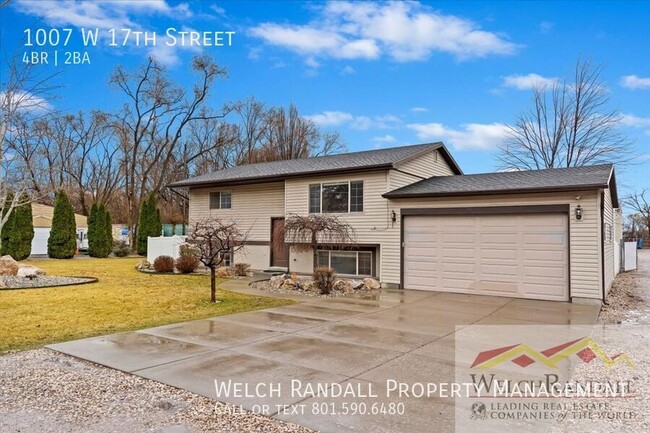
[214, 238]
[640, 204]
[569, 124]
[307, 232]
[25, 96]
[152, 123]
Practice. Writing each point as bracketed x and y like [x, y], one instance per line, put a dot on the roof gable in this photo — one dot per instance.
[345, 162]
[559, 179]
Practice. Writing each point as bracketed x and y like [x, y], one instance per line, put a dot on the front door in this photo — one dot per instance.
[279, 249]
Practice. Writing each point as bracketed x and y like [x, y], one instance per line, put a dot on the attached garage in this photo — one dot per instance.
[507, 252]
[540, 234]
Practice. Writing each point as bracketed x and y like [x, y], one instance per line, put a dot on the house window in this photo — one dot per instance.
[338, 197]
[220, 200]
[314, 198]
[346, 262]
[227, 259]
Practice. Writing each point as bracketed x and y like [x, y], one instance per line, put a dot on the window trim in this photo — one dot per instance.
[342, 182]
[357, 251]
[220, 200]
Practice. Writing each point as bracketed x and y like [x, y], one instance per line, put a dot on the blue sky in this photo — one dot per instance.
[383, 74]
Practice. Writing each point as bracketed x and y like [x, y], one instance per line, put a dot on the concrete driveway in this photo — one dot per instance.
[352, 341]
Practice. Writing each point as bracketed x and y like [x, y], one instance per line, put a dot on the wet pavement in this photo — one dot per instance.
[355, 340]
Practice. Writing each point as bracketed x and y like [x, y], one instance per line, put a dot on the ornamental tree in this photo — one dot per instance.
[213, 238]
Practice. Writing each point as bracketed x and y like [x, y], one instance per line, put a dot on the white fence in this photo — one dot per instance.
[164, 246]
[629, 256]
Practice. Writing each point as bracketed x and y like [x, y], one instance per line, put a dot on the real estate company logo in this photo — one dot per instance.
[523, 355]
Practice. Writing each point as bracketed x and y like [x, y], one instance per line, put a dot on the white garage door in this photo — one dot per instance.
[39, 244]
[524, 256]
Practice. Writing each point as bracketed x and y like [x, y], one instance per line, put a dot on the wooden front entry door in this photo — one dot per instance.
[279, 250]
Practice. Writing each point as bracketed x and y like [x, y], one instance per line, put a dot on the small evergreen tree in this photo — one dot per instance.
[108, 232]
[149, 223]
[100, 235]
[62, 242]
[92, 231]
[6, 228]
[18, 243]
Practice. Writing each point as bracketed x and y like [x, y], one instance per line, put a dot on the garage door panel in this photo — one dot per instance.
[495, 253]
[522, 255]
[459, 252]
[458, 267]
[550, 255]
[499, 239]
[460, 238]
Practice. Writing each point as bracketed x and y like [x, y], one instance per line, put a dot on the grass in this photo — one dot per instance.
[122, 300]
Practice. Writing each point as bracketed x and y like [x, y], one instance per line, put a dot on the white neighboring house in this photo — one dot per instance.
[421, 223]
[42, 219]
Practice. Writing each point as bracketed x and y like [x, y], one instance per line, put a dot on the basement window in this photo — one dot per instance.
[220, 200]
[346, 262]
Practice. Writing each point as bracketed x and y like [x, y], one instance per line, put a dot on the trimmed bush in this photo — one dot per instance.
[187, 264]
[324, 279]
[240, 269]
[149, 223]
[18, 231]
[121, 249]
[163, 264]
[62, 242]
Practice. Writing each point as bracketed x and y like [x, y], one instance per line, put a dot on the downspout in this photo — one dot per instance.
[602, 244]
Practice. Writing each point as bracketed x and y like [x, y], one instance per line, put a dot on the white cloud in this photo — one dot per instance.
[348, 70]
[331, 118]
[339, 118]
[635, 121]
[546, 26]
[419, 110]
[635, 82]
[471, 136]
[526, 82]
[22, 101]
[218, 10]
[104, 15]
[403, 31]
[384, 139]
[169, 56]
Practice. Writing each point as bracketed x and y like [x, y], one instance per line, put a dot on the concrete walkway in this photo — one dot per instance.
[357, 340]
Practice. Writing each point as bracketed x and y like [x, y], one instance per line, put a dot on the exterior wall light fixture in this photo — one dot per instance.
[578, 212]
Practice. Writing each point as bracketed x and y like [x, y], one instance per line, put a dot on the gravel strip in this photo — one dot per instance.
[45, 391]
[629, 306]
[12, 282]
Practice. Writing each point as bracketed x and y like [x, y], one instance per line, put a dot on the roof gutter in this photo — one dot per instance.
[390, 195]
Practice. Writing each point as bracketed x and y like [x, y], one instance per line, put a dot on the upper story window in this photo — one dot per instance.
[220, 200]
[336, 197]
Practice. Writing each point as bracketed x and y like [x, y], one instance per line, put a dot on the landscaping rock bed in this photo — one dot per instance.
[45, 391]
[292, 284]
[40, 281]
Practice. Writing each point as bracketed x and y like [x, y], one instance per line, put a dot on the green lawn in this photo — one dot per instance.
[123, 299]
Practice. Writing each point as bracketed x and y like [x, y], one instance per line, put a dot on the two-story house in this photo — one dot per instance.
[422, 224]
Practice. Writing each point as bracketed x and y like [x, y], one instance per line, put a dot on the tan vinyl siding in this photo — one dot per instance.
[423, 166]
[252, 205]
[370, 225]
[608, 234]
[584, 234]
